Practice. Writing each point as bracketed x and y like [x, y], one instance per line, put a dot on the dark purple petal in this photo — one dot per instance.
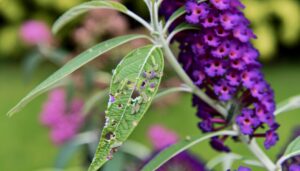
[271, 139]
[218, 145]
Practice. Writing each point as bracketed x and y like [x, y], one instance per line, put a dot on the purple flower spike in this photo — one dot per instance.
[221, 61]
[196, 11]
[271, 139]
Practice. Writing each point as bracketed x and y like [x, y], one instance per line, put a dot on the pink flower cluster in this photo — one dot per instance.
[35, 32]
[63, 119]
[161, 137]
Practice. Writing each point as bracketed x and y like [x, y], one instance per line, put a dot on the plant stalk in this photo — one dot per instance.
[258, 152]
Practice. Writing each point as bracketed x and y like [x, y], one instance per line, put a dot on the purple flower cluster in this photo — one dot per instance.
[63, 119]
[161, 138]
[221, 61]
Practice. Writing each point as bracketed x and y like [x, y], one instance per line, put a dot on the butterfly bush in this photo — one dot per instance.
[216, 62]
[161, 138]
[64, 120]
[221, 60]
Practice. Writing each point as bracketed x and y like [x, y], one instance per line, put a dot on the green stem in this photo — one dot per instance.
[172, 90]
[258, 152]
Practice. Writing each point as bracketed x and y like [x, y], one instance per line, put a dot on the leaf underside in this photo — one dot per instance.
[134, 84]
[73, 65]
[293, 147]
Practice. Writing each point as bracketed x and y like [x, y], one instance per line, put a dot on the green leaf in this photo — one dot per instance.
[179, 12]
[287, 105]
[292, 150]
[179, 147]
[133, 87]
[84, 7]
[181, 27]
[169, 91]
[73, 65]
[136, 149]
[228, 159]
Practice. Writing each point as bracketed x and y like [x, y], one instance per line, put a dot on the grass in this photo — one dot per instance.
[25, 144]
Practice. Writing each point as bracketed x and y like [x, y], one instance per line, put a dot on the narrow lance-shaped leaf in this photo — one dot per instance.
[290, 104]
[174, 16]
[97, 4]
[180, 28]
[179, 147]
[73, 65]
[133, 87]
[292, 150]
[84, 7]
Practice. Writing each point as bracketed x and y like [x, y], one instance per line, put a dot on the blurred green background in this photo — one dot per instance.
[24, 142]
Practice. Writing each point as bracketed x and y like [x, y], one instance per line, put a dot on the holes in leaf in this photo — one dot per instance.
[109, 135]
[120, 106]
[135, 109]
[135, 94]
[143, 85]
